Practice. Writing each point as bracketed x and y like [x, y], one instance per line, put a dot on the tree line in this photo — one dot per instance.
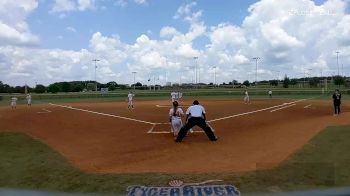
[81, 86]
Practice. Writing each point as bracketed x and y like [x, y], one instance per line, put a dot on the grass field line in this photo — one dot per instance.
[284, 107]
[103, 114]
[260, 110]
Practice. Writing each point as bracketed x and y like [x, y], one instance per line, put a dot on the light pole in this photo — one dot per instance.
[338, 60]
[278, 76]
[256, 71]
[195, 62]
[309, 75]
[134, 73]
[215, 75]
[95, 73]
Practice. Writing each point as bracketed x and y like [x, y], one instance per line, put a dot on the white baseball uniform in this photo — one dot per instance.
[176, 122]
[130, 98]
[29, 99]
[13, 102]
[173, 96]
[246, 97]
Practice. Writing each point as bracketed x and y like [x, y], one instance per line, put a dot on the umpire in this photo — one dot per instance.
[196, 113]
[336, 102]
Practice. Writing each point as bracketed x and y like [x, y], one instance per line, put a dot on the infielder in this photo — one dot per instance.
[175, 115]
[13, 102]
[246, 97]
[270, 93]
[173, 96]
[29, 99]
[195, 115]
[130, 100]
[336, 102]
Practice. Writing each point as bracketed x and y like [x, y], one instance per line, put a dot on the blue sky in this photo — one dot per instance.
[129, 22]
[45, 41]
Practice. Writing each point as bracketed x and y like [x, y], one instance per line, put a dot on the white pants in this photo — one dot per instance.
[13, 104]
[246, 98]
[176, 124]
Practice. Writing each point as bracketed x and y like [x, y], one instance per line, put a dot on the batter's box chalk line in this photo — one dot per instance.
[167, 132]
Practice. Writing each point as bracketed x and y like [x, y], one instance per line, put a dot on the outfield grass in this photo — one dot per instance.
[26, 163]
[163, 95]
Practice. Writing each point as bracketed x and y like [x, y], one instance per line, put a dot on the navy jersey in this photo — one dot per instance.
[336, 99]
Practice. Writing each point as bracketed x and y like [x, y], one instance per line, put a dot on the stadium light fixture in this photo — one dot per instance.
[256, 71]
[95, 60]
[134, 73]
[196, 69]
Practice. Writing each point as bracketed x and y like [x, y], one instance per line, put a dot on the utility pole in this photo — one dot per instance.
[196, 71]
[338, 61]
[215, 76]
[95, 73]
[256, 71]
[134, 73]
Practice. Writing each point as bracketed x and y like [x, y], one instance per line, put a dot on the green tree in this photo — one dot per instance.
[313, 82]
[53, 88]
[339, 80]
[273, 82]
[40, 88]
[246, 83]
[293, 82]
[286, 82]
[112, 86]
[77, 88]
[66, 87]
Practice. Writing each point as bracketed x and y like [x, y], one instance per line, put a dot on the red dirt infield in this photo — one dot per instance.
[108, 144]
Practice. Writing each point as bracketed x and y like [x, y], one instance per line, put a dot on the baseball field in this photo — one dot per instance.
[100, 146]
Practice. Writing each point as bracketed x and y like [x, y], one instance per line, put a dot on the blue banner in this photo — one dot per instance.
[187, 190]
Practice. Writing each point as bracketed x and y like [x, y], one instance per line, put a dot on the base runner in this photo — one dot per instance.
[130, 100]
[13, 102]
[29, 99]
[246, 97]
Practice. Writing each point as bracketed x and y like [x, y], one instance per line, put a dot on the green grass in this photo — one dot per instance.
[26, 163]
[163, 95]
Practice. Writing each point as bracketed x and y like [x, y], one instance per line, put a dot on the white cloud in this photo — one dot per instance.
[140, 1]
[286, 37]
[71, 29]
[168, 32]
[185, 12]
[123, 3]
[14, 29]
[61, 6]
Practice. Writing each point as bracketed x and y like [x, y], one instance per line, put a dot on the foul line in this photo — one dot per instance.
[46, 111]
[308, 106]
[284, 105]
[281, 108]
[103, 114]
[255, 111]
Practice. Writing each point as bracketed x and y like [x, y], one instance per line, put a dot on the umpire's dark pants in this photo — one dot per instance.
[336, 108]
[200, 122]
